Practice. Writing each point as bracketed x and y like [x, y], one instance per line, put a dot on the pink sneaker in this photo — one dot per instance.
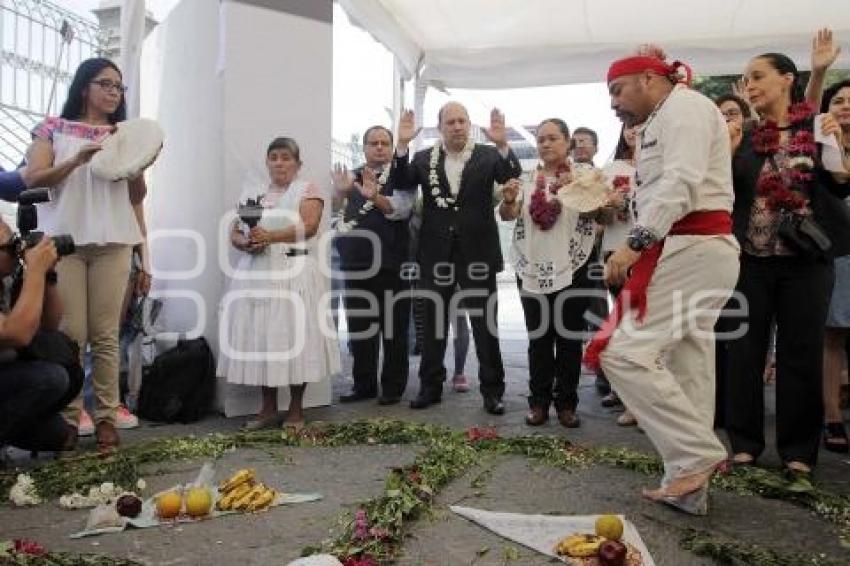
[124, 419]
[85, 426]
[460, 384]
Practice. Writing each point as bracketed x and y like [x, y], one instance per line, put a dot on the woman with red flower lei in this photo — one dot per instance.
[777, 172]
[550, 251]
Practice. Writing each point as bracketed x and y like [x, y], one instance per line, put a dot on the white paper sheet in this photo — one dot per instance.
[542, 532]
[832, 153]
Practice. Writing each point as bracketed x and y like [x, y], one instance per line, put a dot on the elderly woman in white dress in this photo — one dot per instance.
[272, 331]
[550, 251]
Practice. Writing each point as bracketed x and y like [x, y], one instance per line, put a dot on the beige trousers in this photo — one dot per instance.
[663, 367]
[92, 283]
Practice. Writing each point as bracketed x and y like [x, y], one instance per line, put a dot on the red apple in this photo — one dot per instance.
[612, 553]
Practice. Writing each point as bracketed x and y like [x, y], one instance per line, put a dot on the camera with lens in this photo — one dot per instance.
[28, 236]
[28, 222]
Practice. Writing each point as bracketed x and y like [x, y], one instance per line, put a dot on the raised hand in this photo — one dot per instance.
[341, 178]
[407, 130]
[497, 132]
[736, 134]
[739, 90]
[510, 191]
[824, 50]
[829, 127]
[369, 187]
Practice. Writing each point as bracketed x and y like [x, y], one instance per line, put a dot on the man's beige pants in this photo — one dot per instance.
[92, 283]
[663, 367]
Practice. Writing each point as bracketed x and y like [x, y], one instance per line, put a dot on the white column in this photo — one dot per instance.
[421, 89]
[398, 92]
[223, 80]
[132, 36]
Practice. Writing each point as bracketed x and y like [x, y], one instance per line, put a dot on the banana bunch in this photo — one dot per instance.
[243, 476]
[579, 546]
[242, 493]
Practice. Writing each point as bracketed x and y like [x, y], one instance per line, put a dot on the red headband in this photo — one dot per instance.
[640, 63]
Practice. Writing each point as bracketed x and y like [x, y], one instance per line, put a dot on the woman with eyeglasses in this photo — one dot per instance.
[104, 218]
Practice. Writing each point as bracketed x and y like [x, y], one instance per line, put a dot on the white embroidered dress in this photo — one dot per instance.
[276, 327]
[545, 260]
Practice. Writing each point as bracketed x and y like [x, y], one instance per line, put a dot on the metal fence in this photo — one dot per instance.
[41, 45]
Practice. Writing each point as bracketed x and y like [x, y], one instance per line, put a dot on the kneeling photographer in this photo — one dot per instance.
[39, 368]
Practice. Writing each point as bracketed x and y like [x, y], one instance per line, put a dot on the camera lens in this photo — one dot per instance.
[64, 245]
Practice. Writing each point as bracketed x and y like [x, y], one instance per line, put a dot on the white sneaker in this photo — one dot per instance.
[124, 419]
[86, 425]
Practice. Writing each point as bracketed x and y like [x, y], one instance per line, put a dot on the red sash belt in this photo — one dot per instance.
[700, 223]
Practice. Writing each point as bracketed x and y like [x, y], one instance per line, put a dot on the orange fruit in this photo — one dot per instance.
[168, 504]
[198, 501]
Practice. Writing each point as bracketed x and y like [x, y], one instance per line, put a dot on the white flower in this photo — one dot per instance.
[24, 492]
[435, 192]
[141, 485]
[802, 162]
[107, 488]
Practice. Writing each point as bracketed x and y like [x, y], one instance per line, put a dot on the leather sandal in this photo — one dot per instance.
[835, 438]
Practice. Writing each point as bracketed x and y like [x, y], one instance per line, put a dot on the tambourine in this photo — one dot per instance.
[133, 146]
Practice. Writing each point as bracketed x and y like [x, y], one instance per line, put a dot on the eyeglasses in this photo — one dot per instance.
[379, 143]
[732, 113]
[106, 84]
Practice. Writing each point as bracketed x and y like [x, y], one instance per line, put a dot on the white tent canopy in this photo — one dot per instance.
[520, 43]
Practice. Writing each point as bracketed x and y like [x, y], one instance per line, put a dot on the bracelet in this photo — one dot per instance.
[51, 278]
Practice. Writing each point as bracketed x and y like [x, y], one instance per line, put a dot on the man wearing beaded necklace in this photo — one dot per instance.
[376, 302]
[459, 245]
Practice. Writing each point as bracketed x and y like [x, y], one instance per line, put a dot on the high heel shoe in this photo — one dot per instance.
[693, 503]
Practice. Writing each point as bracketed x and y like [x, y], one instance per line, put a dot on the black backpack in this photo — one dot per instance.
[180, 383]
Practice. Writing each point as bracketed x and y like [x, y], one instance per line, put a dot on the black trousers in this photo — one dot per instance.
[478, 289]
[386, 324]
[554, 357]
[31, 395]
[796, 293]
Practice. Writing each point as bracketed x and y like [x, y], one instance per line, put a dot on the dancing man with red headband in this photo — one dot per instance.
[680, 265]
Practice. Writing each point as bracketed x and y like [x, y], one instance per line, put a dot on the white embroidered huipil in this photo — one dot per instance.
[663, 367]
[545, 260]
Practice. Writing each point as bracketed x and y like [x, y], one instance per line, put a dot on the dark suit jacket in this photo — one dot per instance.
[472, 226]
[357, 253]
[828, 208]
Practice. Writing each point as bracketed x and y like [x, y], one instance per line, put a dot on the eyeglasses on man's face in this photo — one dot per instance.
[732, 113]
[106, 84]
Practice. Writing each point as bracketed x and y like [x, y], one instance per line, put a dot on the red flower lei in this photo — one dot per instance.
[544, 211]
[623, 184]
[784, 190]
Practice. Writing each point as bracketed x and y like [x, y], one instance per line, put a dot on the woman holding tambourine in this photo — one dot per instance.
[97, 189]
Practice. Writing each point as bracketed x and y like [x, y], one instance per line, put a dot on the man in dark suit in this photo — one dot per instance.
[459, 245]
[376, 302]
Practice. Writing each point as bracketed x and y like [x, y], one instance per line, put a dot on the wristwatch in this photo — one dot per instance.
[640, 238]
[635, 244]
[51, 278]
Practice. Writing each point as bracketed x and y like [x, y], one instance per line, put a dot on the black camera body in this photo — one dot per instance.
[27, 222]
[28, 237]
